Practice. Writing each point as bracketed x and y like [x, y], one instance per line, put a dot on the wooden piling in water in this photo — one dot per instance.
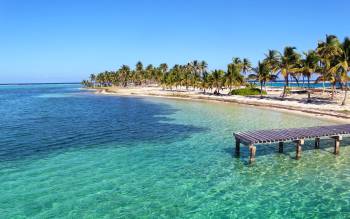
[280, 147]
[238, 146]
[337, 140]
[298, 144]
[252, 151]
[317, 143]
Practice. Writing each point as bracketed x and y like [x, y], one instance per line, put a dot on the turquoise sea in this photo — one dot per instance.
[301, 84]
[67, 153]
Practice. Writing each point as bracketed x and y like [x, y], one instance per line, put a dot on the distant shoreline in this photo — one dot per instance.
[44, 83]
[332, 111]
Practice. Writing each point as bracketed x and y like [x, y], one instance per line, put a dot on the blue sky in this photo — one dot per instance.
[65, 41]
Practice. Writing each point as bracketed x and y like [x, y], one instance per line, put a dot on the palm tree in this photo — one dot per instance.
[272, 58]
[203, 67]
[346, 50]
[328, 51]
[148, 74]
[186, 72]
[115, 78]
[217, 80]
[196, 69]
[262, 74]
[246, 66]
[233, 75]
[160, 72]
[101, 79]
[163, 67]
[124, 75]
[139, 73]
[341, 65]
[86, 83]
[169, 79]
[93, 79]
[176, 74]
[205, 81]
[288, 61]
[308, 65]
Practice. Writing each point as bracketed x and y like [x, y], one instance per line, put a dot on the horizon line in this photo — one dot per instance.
[38, 83]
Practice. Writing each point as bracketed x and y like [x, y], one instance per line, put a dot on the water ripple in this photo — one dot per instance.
[86, 156]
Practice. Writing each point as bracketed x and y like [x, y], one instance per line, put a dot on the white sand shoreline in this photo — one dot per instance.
[330, 111]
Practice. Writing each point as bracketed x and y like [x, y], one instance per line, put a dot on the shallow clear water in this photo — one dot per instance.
[67, 153]
[302, 84]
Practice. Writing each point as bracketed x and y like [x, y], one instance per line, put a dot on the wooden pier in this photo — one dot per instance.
[296, 135]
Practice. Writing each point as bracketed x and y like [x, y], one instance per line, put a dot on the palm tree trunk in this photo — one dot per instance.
[261, 90]
[346, 94]
[333, 85]
[324, 87]
[285, 87]
[308, 90]
[303, 81]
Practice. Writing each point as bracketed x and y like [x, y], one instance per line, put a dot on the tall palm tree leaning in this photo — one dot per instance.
[287, 63]
[341, 65]
[346, 49]
[329, 51]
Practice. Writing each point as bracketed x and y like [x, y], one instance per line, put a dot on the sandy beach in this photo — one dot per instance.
[320, 107]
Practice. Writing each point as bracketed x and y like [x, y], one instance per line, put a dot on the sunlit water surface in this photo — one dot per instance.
[65, 152]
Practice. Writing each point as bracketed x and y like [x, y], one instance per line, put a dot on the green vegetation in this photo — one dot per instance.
[329, 61]
[193, 75]
[248, 91]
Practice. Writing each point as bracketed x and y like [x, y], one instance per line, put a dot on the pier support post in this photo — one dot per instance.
[238, 144]
[317, 143]
[337, 140]
[280, 147]
[298, 145]
[252, 150]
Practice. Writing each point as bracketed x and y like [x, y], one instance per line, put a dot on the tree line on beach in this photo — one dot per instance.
[329, 61]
